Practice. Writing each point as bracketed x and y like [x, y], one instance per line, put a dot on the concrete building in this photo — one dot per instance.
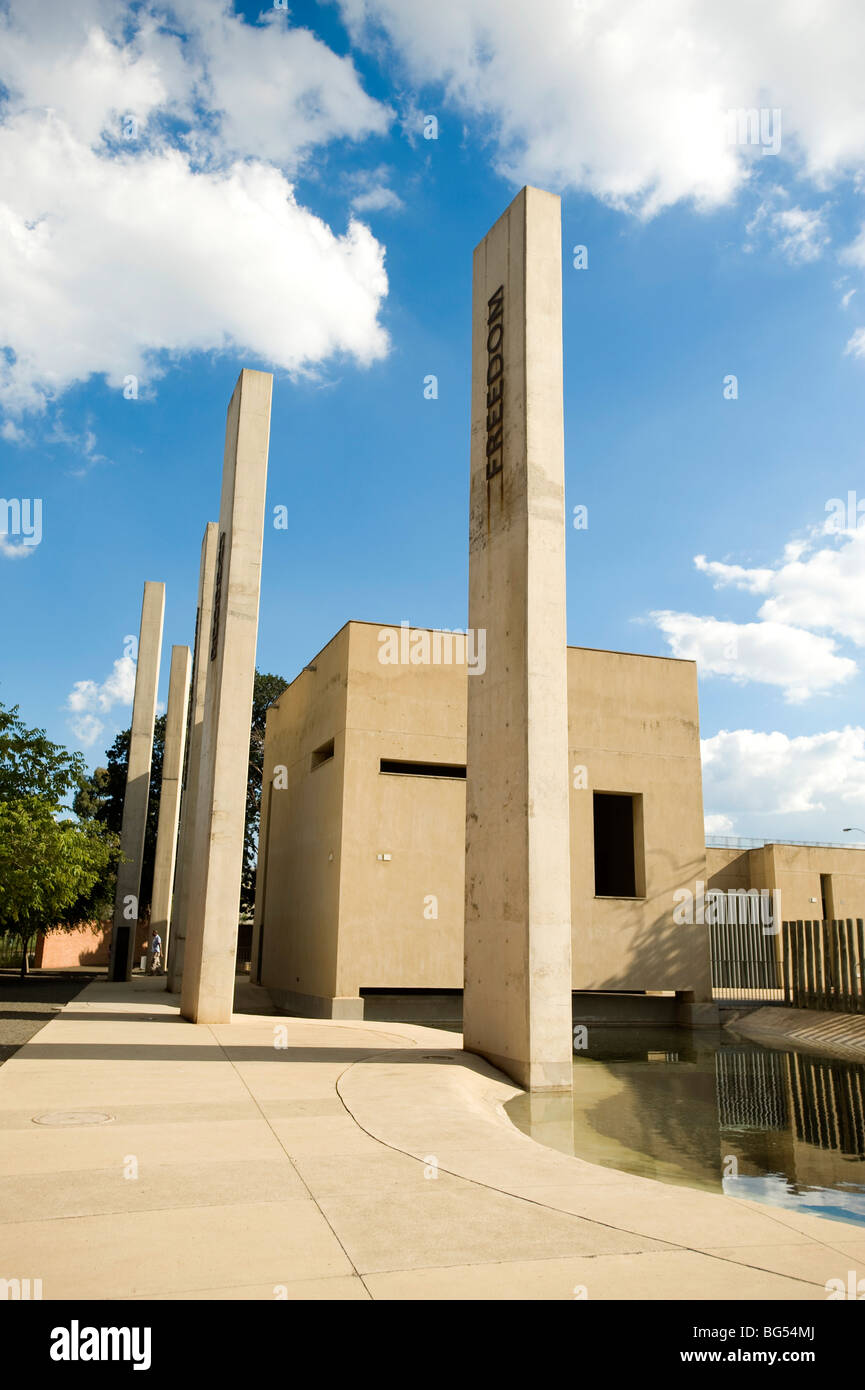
[362, 843]
[813, 882]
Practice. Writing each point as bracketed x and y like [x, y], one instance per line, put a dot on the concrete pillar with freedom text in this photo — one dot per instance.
[517, 1000]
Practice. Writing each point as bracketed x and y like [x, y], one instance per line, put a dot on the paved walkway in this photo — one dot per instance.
[27, 1005]
[278, 1157]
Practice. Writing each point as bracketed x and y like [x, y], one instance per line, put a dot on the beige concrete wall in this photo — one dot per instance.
[335, 927]
[297, 898]
[794, 871]
[728, 870]
[797, 870]
[634, 728]
[415, 713]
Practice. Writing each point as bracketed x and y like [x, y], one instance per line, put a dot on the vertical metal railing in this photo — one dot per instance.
[823, 965]
[744, 941]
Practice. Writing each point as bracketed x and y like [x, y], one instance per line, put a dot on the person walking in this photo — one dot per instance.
[156, 954]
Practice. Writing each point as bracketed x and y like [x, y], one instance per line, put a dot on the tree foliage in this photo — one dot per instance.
[266, 691]
[101, 796]
[54, 871]
[31, 765]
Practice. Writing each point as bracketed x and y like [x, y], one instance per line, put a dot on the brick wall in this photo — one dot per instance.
[88, 945]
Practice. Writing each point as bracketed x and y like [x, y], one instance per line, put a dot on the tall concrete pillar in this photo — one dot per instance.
[207, 992]
[125, 929]
[517, 1002]
[169, 797]
[189, 800]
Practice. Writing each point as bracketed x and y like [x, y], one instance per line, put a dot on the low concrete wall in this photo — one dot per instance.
[439, 1007]
[811, 1030]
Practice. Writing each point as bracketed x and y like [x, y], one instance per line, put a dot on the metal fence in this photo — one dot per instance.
[823, 965]
[743, 937]
[810, 965]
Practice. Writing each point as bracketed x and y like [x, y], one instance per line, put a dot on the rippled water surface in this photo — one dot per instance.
[711, 1111]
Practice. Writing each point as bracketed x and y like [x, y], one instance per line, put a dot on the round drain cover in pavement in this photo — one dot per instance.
[73, 1117]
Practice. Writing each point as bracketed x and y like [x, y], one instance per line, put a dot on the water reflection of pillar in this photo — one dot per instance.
[551, 1120]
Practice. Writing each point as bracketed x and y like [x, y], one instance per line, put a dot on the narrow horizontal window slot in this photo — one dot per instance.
[406, 769]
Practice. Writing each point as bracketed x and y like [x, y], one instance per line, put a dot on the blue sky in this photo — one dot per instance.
[181, 254]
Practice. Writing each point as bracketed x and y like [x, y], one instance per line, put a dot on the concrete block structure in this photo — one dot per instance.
[813, 882]
[361, 870]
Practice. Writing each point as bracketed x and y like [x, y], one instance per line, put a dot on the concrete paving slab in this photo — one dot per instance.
[654, 1276]
[800, 1261]
[323, 1134]
[304, 1167]
[142, 1254]
[688, 1218]
[466, 1224]
[105, 1146]
[99, 1191]
[296, 1290]
[374, 1171]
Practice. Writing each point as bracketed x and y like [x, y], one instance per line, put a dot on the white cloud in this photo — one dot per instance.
[819, 585]
[88, 699]
[718, 825]
[86, 728]
[371, 190]
[377, 200]
[249, 268]
[819, 779]
[278, 90]
[816, 589]
[800, 662]
[799, 234]
[628, 100]
[14, 550]
[856, 343]
[117, 253]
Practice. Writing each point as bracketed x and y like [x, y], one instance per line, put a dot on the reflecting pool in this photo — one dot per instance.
[713, 1111]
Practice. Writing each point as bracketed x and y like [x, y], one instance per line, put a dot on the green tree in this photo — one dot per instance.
[49, 869]
[102, 795]
[54, 873]
[106, 789]
[265, 692]
[91, 795]
[31, 765]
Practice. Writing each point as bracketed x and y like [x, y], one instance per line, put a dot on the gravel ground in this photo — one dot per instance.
[27, 1005]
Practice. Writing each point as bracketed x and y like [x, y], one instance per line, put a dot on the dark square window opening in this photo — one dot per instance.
[618, 845]
[321, 755]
